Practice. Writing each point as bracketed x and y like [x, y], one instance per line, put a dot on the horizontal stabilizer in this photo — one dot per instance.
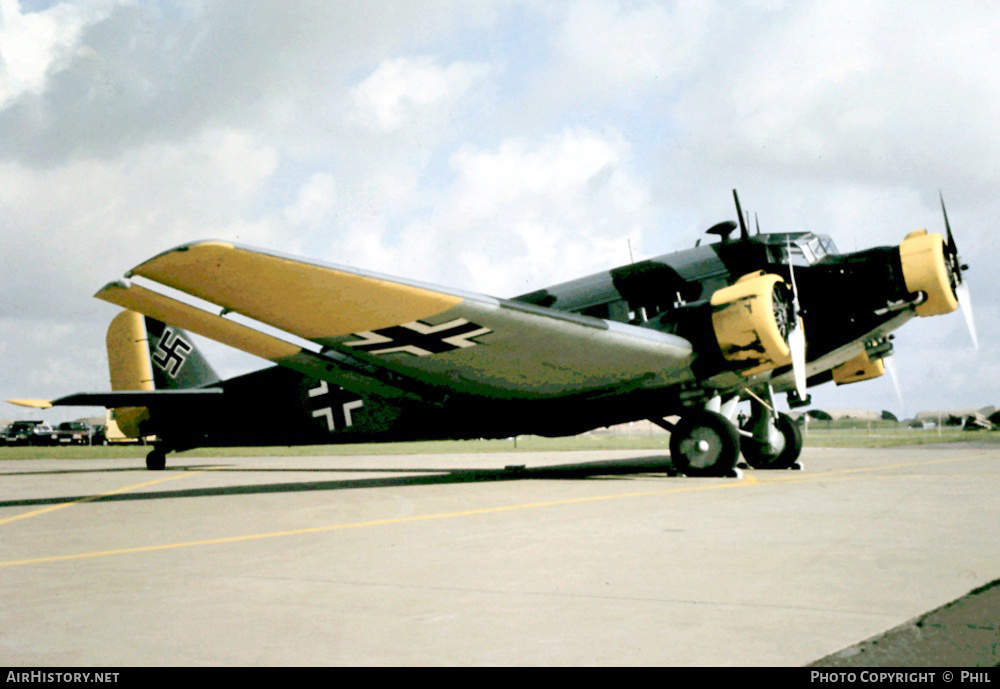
[32, 404]
[141, 398]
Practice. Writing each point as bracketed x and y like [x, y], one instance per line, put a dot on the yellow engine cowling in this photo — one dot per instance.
[926, 270]
[128, 361]
[746, 324]
[857, 369]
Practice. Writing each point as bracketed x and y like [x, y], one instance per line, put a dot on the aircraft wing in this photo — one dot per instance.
[404, 335]
[330, 366]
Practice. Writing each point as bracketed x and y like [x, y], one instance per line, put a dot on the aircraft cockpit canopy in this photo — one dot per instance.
[799, 248]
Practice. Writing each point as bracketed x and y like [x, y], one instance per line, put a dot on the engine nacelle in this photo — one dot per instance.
[751, 319]
[925, 269]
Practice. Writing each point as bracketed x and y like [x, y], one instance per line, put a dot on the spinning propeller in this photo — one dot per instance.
[890, 367]
[959, 286]
[955, 270]
[797, 336]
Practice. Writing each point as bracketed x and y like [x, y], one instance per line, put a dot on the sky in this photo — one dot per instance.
[492, 146]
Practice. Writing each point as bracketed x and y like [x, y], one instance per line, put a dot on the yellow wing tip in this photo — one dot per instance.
[190, 246]
[111, 288]
[33, 404]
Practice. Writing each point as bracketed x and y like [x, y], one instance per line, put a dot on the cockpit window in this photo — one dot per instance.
[802, 253]
[829, 248]
[803, 250]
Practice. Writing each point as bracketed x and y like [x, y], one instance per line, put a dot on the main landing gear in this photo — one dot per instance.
[770, 441]
[707, 442]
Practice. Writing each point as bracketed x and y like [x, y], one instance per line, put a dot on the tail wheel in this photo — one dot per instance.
[704, 444]
[156, 460]
[760, 455]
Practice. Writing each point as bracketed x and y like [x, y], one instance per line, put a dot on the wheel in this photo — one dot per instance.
[704, 444]
[761, 456]
[156, 460]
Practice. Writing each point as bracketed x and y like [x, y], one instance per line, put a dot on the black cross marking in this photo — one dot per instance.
[347, 408]
[419, 338]
[173, 352]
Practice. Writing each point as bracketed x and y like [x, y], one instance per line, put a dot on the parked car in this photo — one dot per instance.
[30, 433]
[74, 433]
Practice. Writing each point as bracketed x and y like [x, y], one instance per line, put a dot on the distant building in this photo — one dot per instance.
[840, 414]
[964, 418]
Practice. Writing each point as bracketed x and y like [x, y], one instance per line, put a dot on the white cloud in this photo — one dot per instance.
[80, 224]
[876, 92]
[242, 163]
[34, 44]
[405, 88]
[521, 213]
[315, 201]
[616, 45]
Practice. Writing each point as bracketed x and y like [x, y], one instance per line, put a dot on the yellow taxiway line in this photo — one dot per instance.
[746, 480]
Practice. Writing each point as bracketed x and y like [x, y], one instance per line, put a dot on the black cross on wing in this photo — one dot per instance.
[419, 338]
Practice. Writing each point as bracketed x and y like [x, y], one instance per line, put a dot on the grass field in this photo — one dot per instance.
[814, 437]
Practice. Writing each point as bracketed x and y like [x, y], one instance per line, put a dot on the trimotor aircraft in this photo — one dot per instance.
[680, 339]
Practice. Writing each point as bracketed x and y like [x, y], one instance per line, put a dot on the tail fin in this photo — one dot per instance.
[177, 363]
[146, 354]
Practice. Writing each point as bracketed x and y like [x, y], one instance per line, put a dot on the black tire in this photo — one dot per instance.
[156, 460]
[705, 444]
[757, 455]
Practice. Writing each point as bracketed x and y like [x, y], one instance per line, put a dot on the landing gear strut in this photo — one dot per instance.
[774, 440]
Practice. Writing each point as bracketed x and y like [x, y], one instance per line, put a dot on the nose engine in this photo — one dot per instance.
[928, 270]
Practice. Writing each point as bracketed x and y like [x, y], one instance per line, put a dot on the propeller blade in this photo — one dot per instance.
[965, 304]
[961, 288]
[797, 336]
[744, 234]
[947, 225]
[890, 366]
[797, 343]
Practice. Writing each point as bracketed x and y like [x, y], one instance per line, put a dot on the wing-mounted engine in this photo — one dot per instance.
[751, 320]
